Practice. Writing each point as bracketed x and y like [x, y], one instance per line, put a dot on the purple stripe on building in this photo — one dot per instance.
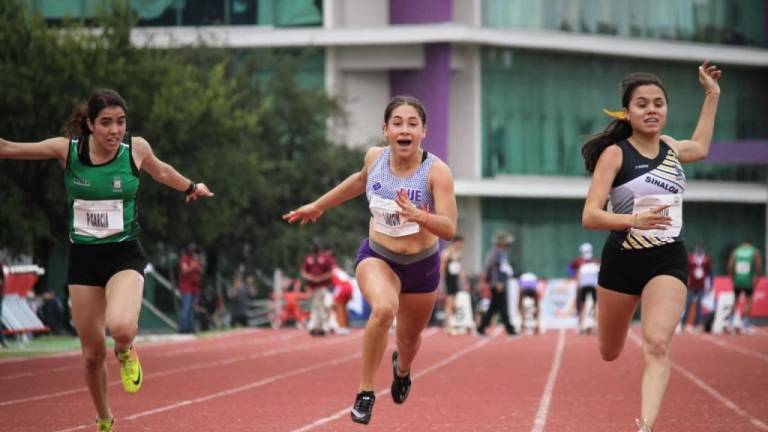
[745, 152]
[420, 11]
[431, 85]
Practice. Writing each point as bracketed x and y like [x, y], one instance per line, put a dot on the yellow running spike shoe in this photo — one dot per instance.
[130, 369]
[105, 425]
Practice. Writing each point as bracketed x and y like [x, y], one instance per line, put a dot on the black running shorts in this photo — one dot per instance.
[95, 264]
[746, 290]
[628, 271]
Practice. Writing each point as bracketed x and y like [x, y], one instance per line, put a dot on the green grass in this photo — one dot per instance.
[49, 344]
[39, 346]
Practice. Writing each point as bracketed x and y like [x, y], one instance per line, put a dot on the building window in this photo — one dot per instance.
[152, 13]
[730, 22]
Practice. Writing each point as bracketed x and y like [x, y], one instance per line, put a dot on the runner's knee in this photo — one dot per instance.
[656, 346]
[610, 352]
[384, 314]
[94, 356]
[123, 331]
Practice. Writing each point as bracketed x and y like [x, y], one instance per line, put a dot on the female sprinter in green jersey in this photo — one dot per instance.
[106, 261]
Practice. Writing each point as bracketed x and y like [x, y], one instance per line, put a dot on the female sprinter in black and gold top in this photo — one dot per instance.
[639, 171]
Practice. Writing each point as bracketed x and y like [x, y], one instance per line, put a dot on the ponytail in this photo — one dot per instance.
[77, 125]
[617, 130]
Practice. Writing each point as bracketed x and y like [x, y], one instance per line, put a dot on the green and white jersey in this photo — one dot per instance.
[744, 266]
[101, 198]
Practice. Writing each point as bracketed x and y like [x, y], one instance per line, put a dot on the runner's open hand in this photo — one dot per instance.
[305, 214]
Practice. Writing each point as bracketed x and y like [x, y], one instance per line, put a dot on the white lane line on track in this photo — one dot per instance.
[4, 362]
[733, 406]
[228, 392]
[229, 344]
[230, 360]
[739, 349]
[238, 389]
[198, 348]
[541, 416]
[449, 359]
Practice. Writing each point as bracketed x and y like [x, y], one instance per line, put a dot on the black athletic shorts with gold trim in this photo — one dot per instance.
[628, 271]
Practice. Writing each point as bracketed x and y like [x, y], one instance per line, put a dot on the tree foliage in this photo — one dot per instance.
[257, 139]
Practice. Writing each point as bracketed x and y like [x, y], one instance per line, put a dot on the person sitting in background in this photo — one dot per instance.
[208, 307]
[51, 312]
[529, 289]
[253, 288]
[292, 312]
[238, 294]
[316, 270]
[342, 293]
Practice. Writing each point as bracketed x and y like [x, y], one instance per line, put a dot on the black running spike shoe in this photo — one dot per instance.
[401, 386]
[363, 408]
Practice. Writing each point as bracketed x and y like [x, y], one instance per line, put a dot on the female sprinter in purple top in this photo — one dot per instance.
[410, 194]
[639, 171]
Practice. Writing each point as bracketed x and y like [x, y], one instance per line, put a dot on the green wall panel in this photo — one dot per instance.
[549, 232]
[277, 13]
[735, 22]
[538, 108]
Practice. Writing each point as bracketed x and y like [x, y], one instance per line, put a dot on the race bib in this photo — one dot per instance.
[506, 268]
[454, 268]
[98, 218]
[646, 203]
[743, 267]
[588, 273]
[698, 273]
[387, 219]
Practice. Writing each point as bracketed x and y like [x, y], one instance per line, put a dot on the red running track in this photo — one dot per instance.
[284, 380]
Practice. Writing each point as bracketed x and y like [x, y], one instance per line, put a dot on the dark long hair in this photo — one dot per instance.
[405, 100]
[617, 130]
[78, 123]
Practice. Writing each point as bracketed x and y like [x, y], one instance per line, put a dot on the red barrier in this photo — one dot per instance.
[20, 283]
[759, 298]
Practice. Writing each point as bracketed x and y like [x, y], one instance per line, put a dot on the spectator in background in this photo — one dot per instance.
[454, 277]
[699, 282]
[237, 296]
[529, 284]
[190, 273]
[342, 293]
[208, 307]
[496, 274]
[292, 312]
[586, 271]
[51, 312]
[317, 270]
[744, 267]
[480, 296]
[253, 289]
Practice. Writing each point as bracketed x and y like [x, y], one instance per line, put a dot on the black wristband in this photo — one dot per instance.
[192, 187]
